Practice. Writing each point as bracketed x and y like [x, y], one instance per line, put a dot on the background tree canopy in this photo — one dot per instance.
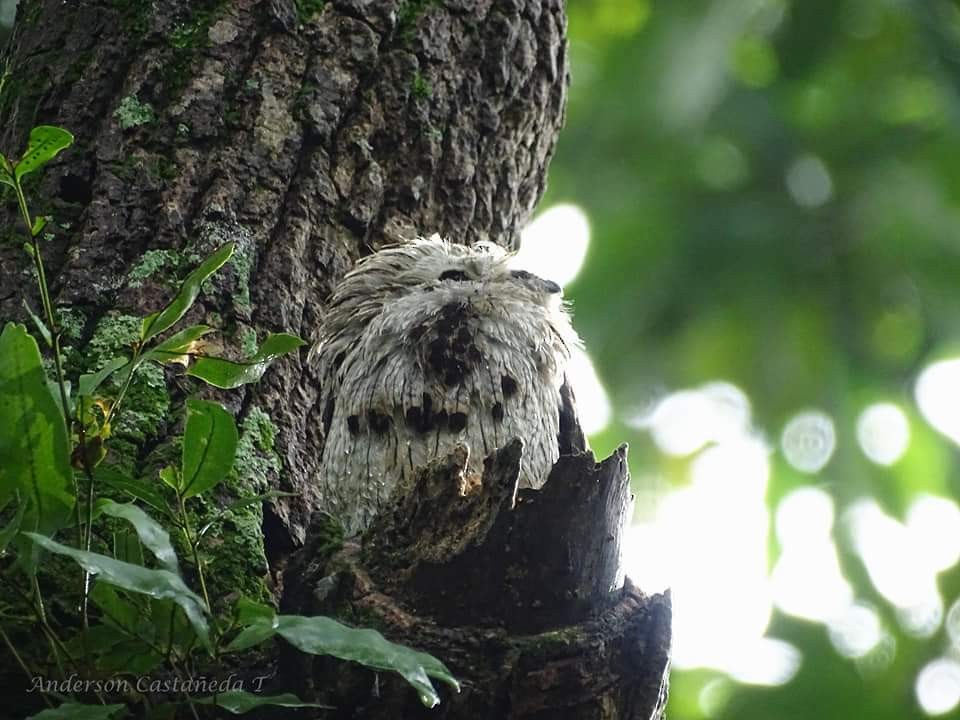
[768, 298]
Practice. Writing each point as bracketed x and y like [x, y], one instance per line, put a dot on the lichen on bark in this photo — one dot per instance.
[151, 263]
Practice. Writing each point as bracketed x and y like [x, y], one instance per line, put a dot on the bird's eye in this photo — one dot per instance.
[546, 286]
[458, 275]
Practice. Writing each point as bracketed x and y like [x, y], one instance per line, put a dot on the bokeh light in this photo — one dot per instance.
[593, 405]
[686, 420]
[880, 658]
[894, 556]
[923, 619]
[805, 514]
[808, 181]
[721, 164]
[807, 580]
[952, 623]
[554, 244]
[808, 441]
[883, 433]
[938, 396]
[938, 686]
[724, 502]
[934, 522]
[765, 661]
[856, 631]
[715, 695]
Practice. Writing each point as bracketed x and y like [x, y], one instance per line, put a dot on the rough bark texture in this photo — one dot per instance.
[308, 140]
[311, 134]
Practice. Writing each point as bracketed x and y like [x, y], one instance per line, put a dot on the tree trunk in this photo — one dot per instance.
[310, 134]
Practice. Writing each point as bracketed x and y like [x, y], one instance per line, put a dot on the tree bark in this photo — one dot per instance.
[309, 143]
[310, 134]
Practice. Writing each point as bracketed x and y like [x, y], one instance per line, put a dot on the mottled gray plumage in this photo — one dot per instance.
[429, 344]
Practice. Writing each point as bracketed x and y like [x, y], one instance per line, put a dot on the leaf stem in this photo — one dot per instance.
[82, 537]
[173, 617]
[88, 535]
[134, 364]
[45, 302]
[194, 547]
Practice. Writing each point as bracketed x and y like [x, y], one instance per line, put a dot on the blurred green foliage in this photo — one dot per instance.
[774, 194]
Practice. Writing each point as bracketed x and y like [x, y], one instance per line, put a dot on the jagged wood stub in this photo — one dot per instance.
[521, 599]
[466, 554]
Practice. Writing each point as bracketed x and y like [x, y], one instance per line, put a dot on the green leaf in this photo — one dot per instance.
[117, 610]
[248, 611]
[228, 374]
[175, 347]
[168, 625]
[34, 448]
[170, 477]
[46, 142]
[76, 711]
[153, 583]
[260, 621]
[97, 639]
[89, 383]
[54, 389]
[39, 223]
[209, 446]
[325, 636]
[242, 503]
[239, 702]
[158, 322]
[40, 325]
[135, 488]
[6, 172]
[150, 532]
[131, 656]
[256, 632]
[127, 547]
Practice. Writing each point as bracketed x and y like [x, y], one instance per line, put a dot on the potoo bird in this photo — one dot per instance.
[426, 345]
